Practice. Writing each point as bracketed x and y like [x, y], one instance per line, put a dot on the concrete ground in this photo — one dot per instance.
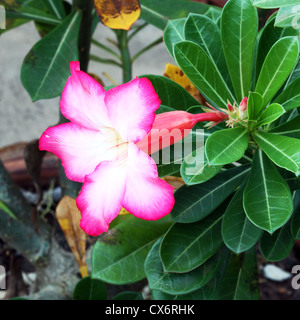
[23, 120]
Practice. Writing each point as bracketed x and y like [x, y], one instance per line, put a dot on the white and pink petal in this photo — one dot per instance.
[131, 108]
[79, 149]
[82, 100]
[146, 195]
[100, 199]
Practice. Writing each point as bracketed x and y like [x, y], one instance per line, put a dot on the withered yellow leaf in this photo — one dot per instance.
[69, 217]
[176, 74]
[118, 14]
[175, 182]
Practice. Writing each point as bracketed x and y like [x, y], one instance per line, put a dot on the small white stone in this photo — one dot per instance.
[272, 272]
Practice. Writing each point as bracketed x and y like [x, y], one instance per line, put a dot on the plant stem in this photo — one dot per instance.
[102, 46]
[106, 61]
[85, 31]
[151, 45]
[125, 55]
[138, 29]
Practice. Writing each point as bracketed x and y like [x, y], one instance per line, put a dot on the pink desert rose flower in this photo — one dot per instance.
[105, 146]
[98, 147]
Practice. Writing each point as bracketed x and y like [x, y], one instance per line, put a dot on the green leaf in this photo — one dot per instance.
[128, 295]
[188, 245]
[196, 202]
[296, 72]
[238, 232]
[7, 210]
[269, 36]
[290, 96]
[207, 292]
[254, 105]
[287, 16]
[30, 10]
[154, 13]
[267, 198]
[277, 246]
[239, 39]
[290, 128]
[240, 281]
[116, 258]
[295, 223]
[270, 114]
[90, 289]
[173, 33]
[283, 151]
[226, 146]
[179, 283]
[56, 7]
[277, 66]
[205, 33]
[46, 67]
[171, 93]
[202, 72]
[269, 4]
[196, 170]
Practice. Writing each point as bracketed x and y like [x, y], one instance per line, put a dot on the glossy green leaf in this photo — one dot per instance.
[270, 114]
[269, 36]
[254, 105]
[195, 168]
[277, 246]
[295, 223]
[267, 198]
[226, 146]
[188, 245]
[269, 4]
[56, 7]
[287, 16]
[290, 128]
[202, 72]
[173, 33]
[240, 281]
[46, 67]
[30, 10]
[239, 39]
[283, 151]
[90, 289]
[207, 292]
[290, 97]
[128, 295]
[196, 202]
[277, 66]
[158, 15]
[171, 93]
[204, 32]
[116, 258]
[238, 232]
[296, 72]
[179, 283]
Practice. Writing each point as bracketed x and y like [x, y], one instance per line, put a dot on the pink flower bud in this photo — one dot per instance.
[243, 105]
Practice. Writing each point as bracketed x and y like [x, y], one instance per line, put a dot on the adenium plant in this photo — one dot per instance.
[246, 193]
[239, 194]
